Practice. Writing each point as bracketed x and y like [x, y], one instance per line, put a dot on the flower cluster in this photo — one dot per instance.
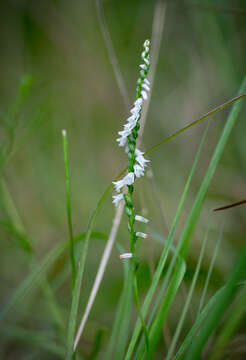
[136, 160]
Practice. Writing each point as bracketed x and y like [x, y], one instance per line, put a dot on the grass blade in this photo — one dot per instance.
[211, 266]
[217, 311]
[68, 203]
[187, 302]
[122, 318]
[230, 326]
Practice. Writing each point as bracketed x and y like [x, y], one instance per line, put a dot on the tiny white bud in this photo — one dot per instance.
[138, 170]
[144, 95]
[64, 132]
[141, 219]
[126, 256]
[146, 81]
[146, 87]
[143, 66]
[117, 199]
[142, 235]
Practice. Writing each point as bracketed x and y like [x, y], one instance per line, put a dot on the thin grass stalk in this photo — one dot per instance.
[210, 269]
[229, 327]
[187, 302]
[68, 205]
[217, 311]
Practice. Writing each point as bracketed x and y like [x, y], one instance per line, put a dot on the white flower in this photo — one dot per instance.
[136, 110]
[143, 66]
[138, 170]
[144, 95]
[132, 119]
[126, 256]
[142, 235]
[140, 158]
[122, 140]
[146, 87]
[139, 101]
[127, 180]
[146, 81]
[117, 199]
[141, 219]
[146, 60]
[130, 126]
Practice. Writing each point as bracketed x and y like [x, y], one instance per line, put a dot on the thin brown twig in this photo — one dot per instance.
[230, 205]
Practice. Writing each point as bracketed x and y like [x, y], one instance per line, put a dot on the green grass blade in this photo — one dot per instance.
[157, 327]
[198, 323]
[211, 266]
[24, 242]
[229, 327]
[217, 311]
[15, 220]
[118, 338]
[164, 255]
[187, 302]
[97, 344]
[68, 203]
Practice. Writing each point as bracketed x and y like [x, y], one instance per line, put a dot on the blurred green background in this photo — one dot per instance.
[57, 49]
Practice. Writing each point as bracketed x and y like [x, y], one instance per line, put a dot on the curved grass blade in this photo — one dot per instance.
[187, 302]
[97, 344]
[211, 266]
[217, 311]
[157, 326]
[229, 327]
[118, 338]
[68, 203]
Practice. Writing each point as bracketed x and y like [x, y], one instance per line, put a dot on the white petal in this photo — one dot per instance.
[142, 235]
[138, 170]
[146, 61]
[144, 95]
[126, 256]
[118, 185]
[117, 199]
[129, 178]
[146, 87]
[141, 219]
[146, 43]
[140, 158]
[139, 101]
[122, 140]
[143, 66]
[146, 81]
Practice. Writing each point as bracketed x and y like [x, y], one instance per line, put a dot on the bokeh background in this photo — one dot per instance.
[56, 49]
